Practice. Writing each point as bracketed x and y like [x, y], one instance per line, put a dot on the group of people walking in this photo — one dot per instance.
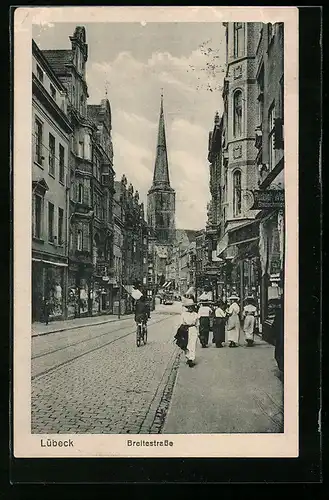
[226, 323]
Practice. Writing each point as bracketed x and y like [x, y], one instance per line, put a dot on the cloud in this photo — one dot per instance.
[134, 93]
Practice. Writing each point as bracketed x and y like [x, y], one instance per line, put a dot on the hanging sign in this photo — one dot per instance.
[272, 198]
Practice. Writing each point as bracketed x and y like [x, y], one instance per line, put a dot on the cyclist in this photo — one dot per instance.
[142, 311]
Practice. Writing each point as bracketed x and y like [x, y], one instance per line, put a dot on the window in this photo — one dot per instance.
[81, 149]
[79, 240]
[271, 130]
[134, 246]
[97, 206]
[50, 222]
[80, 193]
[237, 110]
[97, 168]
[38, 132]
[37, 214]
[144, 260]
[87, 147]
[52, 155]
[238, 39]
[40, 74]
[73, 96]
[61, 163]
[260, 98]
[53, 91]
[237, 193]
[60, 225]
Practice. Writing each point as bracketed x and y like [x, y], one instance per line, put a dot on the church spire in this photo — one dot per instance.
[161, 170]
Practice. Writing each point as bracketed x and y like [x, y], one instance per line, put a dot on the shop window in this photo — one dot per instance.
[52, 155]
[50, 222]
[238, 39]
[60, 225]
[38, 132]
[236, 193]
[237, 113]
[61, 163]
[37, 215]
[271, 131]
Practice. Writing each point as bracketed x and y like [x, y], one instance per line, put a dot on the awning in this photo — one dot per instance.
[246, 233]
[135, 294]
[59, 264]
[222, 245]
[247, 251]
[167, 285]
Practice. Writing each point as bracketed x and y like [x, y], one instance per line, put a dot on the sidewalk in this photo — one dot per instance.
[71, 324]
[227, 391]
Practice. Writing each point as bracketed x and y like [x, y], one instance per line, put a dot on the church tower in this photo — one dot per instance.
[161, 196]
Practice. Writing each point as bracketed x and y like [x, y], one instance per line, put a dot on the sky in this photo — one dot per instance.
[133, 62]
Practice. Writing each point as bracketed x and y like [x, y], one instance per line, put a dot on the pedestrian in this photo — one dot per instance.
[249, 313]
[219, 324]
[204, 314]
[190, 320]
[233, 322]
[46, 307]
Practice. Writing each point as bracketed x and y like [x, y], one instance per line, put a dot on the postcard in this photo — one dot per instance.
[155, 232]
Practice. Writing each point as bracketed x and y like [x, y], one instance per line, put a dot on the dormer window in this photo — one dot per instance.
[40, 74]
[53, 92]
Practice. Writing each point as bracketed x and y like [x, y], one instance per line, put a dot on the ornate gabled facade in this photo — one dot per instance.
[161, 196]
[91, 184]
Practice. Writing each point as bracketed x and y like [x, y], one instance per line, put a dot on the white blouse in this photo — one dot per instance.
[204, 311]
[189, 318]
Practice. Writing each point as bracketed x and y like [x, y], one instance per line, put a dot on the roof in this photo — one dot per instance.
[58, 59]
[39, 53]
[161, 169]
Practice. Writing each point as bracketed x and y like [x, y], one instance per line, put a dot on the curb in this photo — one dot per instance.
[80, 326]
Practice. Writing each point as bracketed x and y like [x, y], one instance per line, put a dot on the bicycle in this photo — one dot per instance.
[141, 333]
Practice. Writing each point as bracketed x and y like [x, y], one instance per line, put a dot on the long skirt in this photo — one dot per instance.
[204, 328]
[219, 331]
[191, 345]
[234, 333]
[249, 326]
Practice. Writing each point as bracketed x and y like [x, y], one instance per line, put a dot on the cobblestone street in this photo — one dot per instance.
[94, 379]
[103, 383]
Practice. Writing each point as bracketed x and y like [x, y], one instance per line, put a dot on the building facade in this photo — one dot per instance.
[134, 249]
[269, 142]
[245, 227]
[51, 135]
[91, 185]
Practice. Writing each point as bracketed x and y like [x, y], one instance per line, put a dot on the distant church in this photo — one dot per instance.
[161, 209]
[161, 196]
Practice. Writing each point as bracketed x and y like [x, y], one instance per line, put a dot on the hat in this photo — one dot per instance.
[234, 297]
[188, 302]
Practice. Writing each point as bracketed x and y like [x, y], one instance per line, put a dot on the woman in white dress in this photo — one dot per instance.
[233, 323]
[191, 320]
[249, 312]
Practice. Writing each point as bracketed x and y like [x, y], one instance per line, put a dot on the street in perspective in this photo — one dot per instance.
[158, 228]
